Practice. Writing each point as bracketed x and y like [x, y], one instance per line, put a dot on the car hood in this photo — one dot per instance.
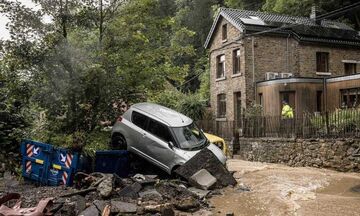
[216, 150]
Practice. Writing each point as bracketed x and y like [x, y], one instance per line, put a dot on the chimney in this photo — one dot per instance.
[313, 12]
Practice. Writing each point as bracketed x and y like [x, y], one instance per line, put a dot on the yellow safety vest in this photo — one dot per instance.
[287, 112]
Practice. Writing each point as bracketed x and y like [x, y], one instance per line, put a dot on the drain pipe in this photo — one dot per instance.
[287, 54]
[253, 65]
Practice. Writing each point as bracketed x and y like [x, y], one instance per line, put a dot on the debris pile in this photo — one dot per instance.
[140, 194]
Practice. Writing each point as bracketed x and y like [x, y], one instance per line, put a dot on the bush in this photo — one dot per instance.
[340, 121]
[191, 105]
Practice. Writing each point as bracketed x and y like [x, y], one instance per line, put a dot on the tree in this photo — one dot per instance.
[140, 52]
[245, 4]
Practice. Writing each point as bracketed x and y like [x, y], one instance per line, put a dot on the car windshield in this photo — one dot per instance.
[190, 137]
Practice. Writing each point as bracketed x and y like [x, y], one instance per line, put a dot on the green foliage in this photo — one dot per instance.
[192, 106]
[291, 7]
[340, 121]
[169, 98]
[245, 4]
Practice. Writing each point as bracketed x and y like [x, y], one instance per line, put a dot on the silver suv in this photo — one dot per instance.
[162, 136]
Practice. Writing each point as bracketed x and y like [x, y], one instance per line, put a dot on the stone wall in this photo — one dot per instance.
[338, 154]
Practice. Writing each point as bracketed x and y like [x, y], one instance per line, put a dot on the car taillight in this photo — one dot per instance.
[119, 119]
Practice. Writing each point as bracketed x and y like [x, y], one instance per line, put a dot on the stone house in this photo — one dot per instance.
[296, 50]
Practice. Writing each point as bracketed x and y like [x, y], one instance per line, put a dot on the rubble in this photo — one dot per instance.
[202, 179]
[122, 207]
[130, 191]
[189, 204]
[106, 186]
[199, 192]
[205, 159]
[141, 194]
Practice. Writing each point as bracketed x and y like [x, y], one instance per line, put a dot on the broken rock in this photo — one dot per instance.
[202, 179]
[199, 192]
[90, 211]
[80, 203]
[205, 159]
[189, 204]
[122, 207]
[130, 191]
[100, 204]
[151, 194]
[106, 186]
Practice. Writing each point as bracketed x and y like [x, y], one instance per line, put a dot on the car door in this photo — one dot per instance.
[157, 144]
[138, 132]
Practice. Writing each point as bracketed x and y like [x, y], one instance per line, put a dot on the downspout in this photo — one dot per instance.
[253, 65]
[287, 54]
[325, 94]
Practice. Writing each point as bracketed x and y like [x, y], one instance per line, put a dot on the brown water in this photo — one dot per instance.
[281, 190]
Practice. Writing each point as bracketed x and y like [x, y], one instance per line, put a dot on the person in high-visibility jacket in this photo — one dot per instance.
[287, 112]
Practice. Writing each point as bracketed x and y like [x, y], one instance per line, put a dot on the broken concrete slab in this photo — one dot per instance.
[199, 192]
[172, 191]
[105, 188]
[90, 211]
[100, 204]
[202, 179]
[151, 194]
[80, 203]
[131, 190]
[205, 159]
[122, 207]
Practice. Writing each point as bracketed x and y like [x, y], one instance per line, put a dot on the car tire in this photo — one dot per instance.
[118, 142]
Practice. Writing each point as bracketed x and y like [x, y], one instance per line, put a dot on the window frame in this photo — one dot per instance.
[146, 122]
[322, 62]
[222, 63]
[347, 93]
[161, 138]
[224, 33]
[354, 67]
[236, 61]
[221, 108]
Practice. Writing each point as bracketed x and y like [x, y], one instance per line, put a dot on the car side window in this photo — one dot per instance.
[160, 130]
[139, 119]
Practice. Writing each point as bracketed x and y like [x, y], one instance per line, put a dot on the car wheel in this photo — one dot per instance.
[118, 142]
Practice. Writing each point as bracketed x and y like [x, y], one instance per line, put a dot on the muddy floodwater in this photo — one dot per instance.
[281, 190]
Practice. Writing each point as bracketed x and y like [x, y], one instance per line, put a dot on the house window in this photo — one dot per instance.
[221, 106]
[350, 98]
[236, 61]
[220, 71]
[322, 62]
[350, 68]
[224, 32]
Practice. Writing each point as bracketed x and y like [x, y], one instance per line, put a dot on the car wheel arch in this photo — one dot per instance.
[114, 137]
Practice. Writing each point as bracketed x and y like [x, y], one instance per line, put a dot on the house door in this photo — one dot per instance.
[289, 97]
[237, 109]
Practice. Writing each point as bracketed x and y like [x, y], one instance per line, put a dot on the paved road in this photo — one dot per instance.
[282, 190]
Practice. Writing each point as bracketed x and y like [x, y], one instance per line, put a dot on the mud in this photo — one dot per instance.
[280, 190]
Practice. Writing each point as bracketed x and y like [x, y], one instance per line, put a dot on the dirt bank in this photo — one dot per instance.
[281, 190]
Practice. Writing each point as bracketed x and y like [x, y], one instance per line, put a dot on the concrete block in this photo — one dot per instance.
[199, 192]
[202, 179]
[131, 191]
[123, 207]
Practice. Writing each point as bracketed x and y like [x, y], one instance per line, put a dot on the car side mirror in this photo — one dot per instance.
[171, 145]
